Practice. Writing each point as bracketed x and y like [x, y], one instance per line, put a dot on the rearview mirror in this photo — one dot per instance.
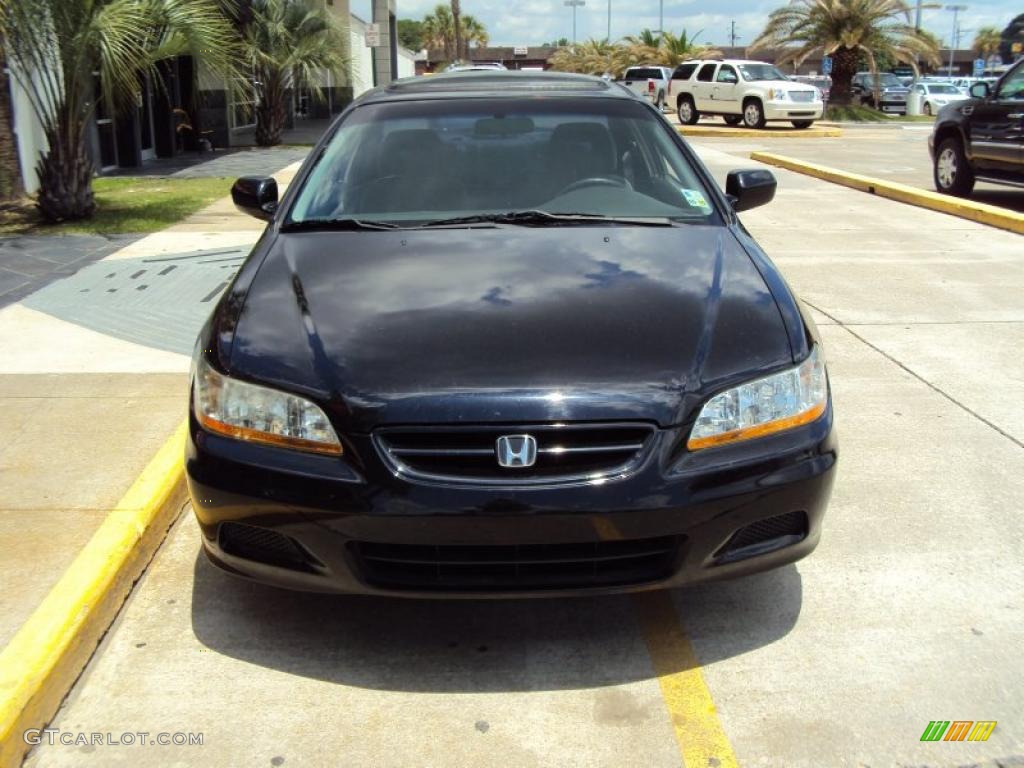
[256, 196]
[750, 188]
[979, 90]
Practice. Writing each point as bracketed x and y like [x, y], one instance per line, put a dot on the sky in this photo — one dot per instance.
[533, 22]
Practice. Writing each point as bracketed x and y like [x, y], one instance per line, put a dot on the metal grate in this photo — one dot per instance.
[565, 452]
[765, 536]
[517, 567]
[262, 545]
[802, 96]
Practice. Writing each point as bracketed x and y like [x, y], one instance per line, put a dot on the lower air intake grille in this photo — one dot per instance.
[765, 536]
[262, 545]
[468, 454]
[516, 567]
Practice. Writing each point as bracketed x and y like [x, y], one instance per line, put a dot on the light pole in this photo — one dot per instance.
[661, 18]
[609, 21]
[952, 43]
[574, 4]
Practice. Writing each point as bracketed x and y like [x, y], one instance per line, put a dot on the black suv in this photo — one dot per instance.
[981, 138]
[891, 96]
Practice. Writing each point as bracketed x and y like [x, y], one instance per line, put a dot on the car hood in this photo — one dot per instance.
[507, 323]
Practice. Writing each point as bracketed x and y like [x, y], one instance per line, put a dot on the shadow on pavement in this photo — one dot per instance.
[477, 645]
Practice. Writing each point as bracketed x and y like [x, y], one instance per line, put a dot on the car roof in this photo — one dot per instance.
[496, 84]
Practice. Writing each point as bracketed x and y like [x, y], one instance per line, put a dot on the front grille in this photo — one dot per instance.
[565, 452]
[263, 546]
[765, 536]
[516, 567]
[802, 96]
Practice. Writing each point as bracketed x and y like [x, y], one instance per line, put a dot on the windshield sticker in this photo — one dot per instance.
[696, 199]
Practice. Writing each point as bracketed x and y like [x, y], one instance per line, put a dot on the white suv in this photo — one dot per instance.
[750, 92]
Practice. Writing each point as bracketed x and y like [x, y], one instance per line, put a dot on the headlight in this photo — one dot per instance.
[260, 414]
[764, 406]
[775, 94]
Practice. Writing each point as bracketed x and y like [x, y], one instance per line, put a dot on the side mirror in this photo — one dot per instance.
[750, 188]
[980, 90]
[256, 196]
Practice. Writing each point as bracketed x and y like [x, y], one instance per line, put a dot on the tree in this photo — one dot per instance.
[288, 44]
[593, 57]
[986, 41]
[672, 50]
[457, 26]
[439, 33]
[561, 42]
[410, 34]
[54, 46]
[845, 29]
[473, 33]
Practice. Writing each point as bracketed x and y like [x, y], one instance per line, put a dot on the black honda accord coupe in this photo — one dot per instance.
[505, 336]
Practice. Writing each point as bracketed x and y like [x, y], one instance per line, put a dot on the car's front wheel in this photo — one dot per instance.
[801, 124]
[753, 114]
[732, 119]
[953, 174]
[688, 114]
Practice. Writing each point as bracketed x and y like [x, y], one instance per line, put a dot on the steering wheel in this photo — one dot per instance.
[596, 181]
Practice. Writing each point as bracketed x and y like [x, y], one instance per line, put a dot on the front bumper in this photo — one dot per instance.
[319, 523]
[793, 110]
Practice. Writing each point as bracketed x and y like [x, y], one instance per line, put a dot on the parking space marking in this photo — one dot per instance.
[702, 740]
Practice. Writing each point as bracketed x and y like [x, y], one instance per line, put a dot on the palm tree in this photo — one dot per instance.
[846, 30]
[457, 25]
[593, 57]
[473, 33]
[987, 41]
[10, 169]
[54, 46]
[288, 44]
[438, 32]
[674, 50]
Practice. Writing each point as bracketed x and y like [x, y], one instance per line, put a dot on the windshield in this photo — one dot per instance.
[415, 162]
[887, 80]
[942, 89]
[755, 72]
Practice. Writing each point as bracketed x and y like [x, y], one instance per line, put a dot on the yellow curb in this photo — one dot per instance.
[727, 131]
[982, 213]
[43, 660]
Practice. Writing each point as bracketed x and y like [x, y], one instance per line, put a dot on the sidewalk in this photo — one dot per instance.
[93, 378]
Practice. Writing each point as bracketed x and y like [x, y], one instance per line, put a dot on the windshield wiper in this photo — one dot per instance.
[546, 218]
[337, 225]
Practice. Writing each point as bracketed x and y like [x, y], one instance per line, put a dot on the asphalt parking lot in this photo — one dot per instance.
[909, 611]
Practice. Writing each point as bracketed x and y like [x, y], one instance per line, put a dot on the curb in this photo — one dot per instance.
[44, 659]
[728, 132]
[983, 213]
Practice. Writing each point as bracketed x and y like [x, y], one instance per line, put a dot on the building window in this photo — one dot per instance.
[242, 104]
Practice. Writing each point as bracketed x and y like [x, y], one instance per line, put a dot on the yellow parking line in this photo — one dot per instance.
[982, 213]
[702, 742]
[725, 131]
[43, 660]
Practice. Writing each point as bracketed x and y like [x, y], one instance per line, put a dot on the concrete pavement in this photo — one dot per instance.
[93, 380]
[909, 611]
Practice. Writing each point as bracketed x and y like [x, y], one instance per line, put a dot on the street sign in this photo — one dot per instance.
[372, 35]
[826, 65]
[979, 67]
[519, 50]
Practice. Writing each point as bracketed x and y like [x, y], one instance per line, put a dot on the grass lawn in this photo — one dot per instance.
[124, 204]
[858, 114]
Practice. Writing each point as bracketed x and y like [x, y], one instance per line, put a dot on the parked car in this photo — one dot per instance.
[750, 92]
[504, 335]
[979, 139]
[927, 98]
[476, 66]
[651, 82]
[892, 94]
